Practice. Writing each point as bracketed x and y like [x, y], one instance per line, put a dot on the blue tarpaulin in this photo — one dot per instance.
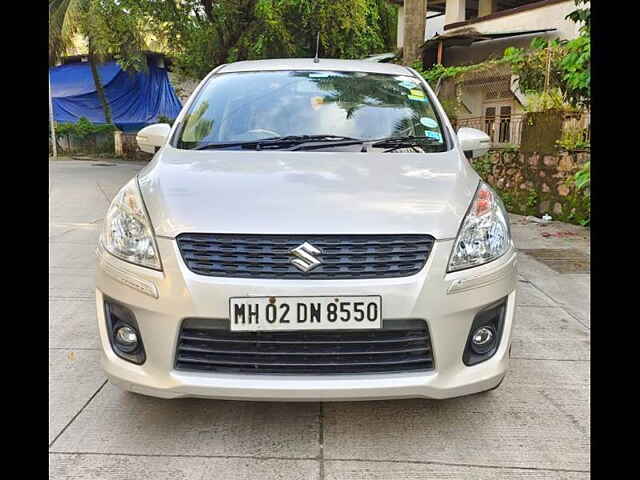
[136, 99]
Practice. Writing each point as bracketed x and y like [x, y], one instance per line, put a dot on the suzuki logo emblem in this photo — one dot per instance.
[305, 259]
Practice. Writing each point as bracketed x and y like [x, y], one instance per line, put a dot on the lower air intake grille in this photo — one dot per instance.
[209, 346]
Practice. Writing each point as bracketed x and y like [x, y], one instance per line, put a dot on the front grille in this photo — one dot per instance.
[209, 346]
[267, 256]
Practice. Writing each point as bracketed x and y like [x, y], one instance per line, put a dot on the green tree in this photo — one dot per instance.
[202, 34]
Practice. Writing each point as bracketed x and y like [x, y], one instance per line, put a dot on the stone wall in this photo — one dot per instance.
[535, 184]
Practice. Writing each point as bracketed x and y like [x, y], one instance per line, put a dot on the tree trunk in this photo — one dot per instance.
[99, 90]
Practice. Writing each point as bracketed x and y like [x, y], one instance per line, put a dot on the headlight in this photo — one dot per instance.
[127, 230]
[484, 234]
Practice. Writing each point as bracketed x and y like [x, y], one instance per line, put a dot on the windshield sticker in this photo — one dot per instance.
[434, 135]
[417, 93]
[417, 99]
[429, 122]
[319, 75]
[408, 84]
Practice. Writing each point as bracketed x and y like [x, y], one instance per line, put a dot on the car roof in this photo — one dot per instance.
[309, 64]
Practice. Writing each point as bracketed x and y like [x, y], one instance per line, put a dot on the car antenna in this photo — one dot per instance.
[316, 59]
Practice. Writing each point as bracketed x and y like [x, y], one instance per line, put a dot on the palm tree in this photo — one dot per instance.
[106, 28]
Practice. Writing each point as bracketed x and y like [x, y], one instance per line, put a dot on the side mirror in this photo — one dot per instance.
[153, 137]
[473, 142]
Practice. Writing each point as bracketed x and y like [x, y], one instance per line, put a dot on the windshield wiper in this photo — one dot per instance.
[298, 142]
[325, 141]
[409, 141]
[279, 141]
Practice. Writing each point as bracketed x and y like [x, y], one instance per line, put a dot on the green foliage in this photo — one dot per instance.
[578, 207]
[576, 66]
[547, 100]
[202, 34]
[581, 15]
[82, 129]
[573, 138]
[439, 72]
[508, 200]
[482, 165]
[450, 107]
[119, 35]
[583, 177]
[538, 67]
[106, 26]
[510, 148]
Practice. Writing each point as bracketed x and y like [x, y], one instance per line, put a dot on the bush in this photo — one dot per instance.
[82, 129]
[84, 136]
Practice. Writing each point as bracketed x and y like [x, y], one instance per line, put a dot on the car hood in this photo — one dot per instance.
[279, 192]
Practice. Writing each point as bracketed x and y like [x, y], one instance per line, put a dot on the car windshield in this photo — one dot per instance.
[250, 106]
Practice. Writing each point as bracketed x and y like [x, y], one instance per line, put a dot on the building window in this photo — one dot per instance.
[504, 130]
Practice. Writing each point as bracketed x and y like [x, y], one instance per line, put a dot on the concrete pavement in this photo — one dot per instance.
[535, 426]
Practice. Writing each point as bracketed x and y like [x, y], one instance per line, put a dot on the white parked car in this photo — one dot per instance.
[307, 231]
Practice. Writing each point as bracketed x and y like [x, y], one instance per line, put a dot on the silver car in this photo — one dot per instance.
[307, 231]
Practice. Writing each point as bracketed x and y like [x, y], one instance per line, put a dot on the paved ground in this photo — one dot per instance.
[535, 426]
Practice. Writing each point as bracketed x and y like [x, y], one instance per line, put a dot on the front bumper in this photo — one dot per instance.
[447, 302]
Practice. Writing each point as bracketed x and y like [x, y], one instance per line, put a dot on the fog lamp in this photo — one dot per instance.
[126, 338]
[124, 333]
[482, 340]
[484, 335]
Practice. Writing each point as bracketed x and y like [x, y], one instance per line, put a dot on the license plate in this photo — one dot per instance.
[250, 314]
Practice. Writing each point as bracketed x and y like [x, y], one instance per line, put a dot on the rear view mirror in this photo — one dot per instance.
[473, 142]
[151, 138]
